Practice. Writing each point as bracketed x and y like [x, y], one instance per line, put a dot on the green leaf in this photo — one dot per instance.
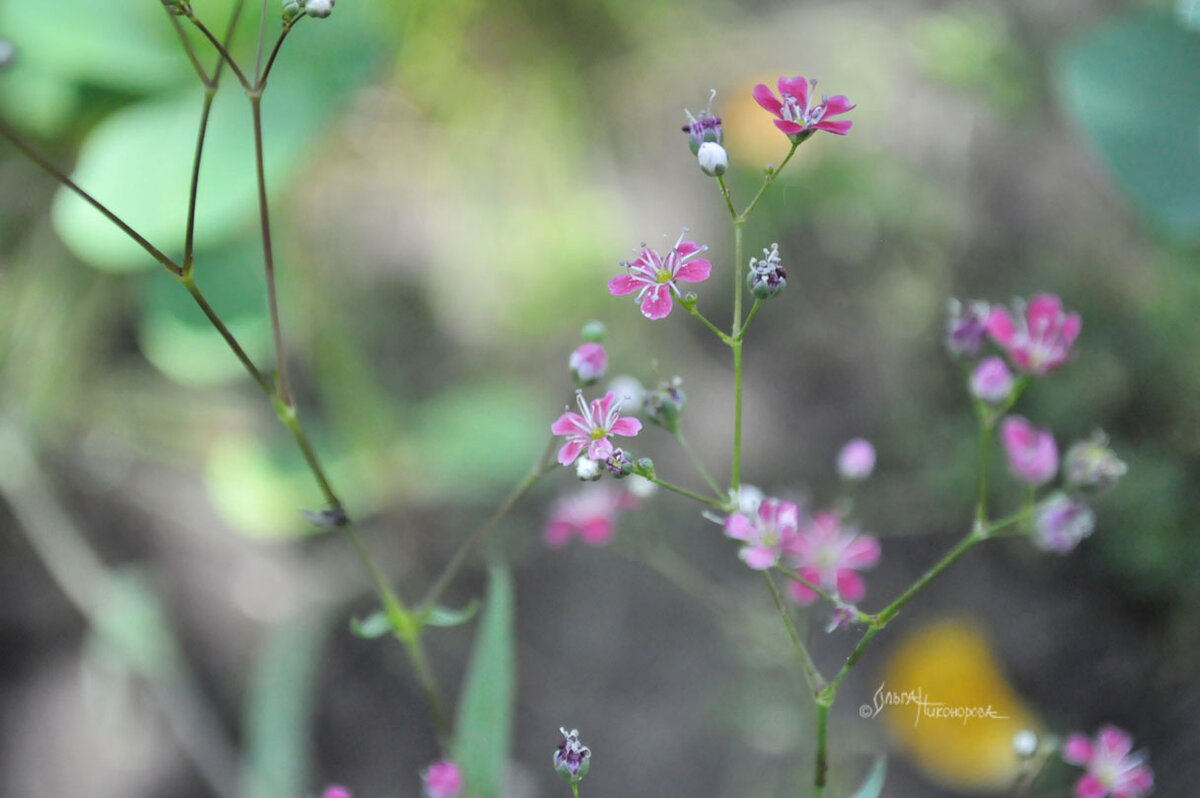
[1131, 85]
[373, 626]
[485, 708]
[872, 786]
[444, 616]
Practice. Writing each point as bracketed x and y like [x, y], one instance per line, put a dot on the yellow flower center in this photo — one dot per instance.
[663, 276]
[598, 433]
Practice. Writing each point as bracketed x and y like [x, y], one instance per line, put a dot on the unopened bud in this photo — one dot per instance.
[593, 332]
[1060, 522]
[1025, 744]
[992, 381]
[713, 159]
[966, 326]
[1091, 464]
[644, 467]
[178, 7]
[588, 364]
[572, 759]
[856, 460]
[587, 470]
[618, 464]
[767, 277]
[319, 9]
[664, 406]
[292, 9]
[704, 127]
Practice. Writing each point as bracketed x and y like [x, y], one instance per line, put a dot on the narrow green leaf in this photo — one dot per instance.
[872, 786]
[373, 626]
[444, 616]
[485, 708]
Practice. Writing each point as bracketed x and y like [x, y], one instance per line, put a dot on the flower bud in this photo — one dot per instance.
[319, 9]
[856, 460]
[1025, 744]
[991, 381]
[442, 780]
[644, 467]
[178, 7]
[1032, 453]
[572, 759]
[747, 499]
[703, 128]
[1091, 464]
[665, 405]
[292, 9]
[966, 326]
[593, 332]
[1060, 522]
[587, 470]
[713, 159]
[767, 277]
[618, 464]
[588, 364]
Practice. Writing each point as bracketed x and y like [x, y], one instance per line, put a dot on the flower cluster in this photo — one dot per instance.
[1112, 767]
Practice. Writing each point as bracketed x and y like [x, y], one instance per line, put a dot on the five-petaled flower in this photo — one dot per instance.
[1038, 340]
[796, 114]
[654, 277]
[590, 427]
[829, 555]
[766, 532]
[1111, 767]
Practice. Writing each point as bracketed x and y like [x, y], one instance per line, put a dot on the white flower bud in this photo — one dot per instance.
[1025, 744]
[587, 470]
[319, 8]
[712, 158]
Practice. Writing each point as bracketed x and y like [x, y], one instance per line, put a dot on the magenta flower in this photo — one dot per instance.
[1032, 453]
[766, 532]
[991, 381]
[1111, 768]
[797, 116]
[654, 277]
[588, 513]
[856, 460]
[830, 556]
[588, 364]
[335, 791]
[1038, 340]
[589, 429]
[442, 780]
[1060, 522]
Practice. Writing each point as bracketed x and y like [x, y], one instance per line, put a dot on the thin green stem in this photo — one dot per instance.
[264, 215]
[960, 548]
[735, 332]
[222, 49]
[190, 284]
[698, 463]
[691, 308]
[749, 316]
[258, 48]
[717, 503]
[210, 92]
[540, 468]
[187, 48]
[816, 682]
[266, 73]
[725, 193]
[985, 461]
[58, 175]
[770, 178]
[822, 763]
[574, 790]
[429, 686]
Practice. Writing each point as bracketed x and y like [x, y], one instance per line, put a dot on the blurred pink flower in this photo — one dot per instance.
[588, 363]
[588, 513]
[1111, 767]
[1060, 522]
[856, 460]
[590, 427]
[766, 532]
[797, 116]
[1032, 453]
[830, 556]
[1039, 339]
[991, 381]
[442, 780]
[335, 791]
[654, 277]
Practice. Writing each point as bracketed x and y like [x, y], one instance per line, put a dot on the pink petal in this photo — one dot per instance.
[602, 406]
[1141, 778]
[767, 99]
[694, 271]
[1070, 329]
[758, 557]
[738, 527]
[600, 450]
[1043, 312]
[862, 552]
[1000, 326]
[1077, 750]
[791, 128]
[623, 284]
[685, 248]
[838, 104]
[1116, 742]
[557, 534]
[801, 593]
[569, 424]
[850, 585]
[798, 87]
[570, 452]
[1090, 787]
[626, 427]
[657, 302]
[840, 127]
[649, 260]
[597, 532]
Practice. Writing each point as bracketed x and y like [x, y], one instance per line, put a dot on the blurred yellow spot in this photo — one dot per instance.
[947, 705]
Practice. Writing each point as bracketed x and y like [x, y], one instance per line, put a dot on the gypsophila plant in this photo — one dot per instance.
[819, 555]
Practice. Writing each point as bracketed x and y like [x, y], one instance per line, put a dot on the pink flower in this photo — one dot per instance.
[654, 277]
[588, 364]
[1039, 340]
[1032, 453]
[589, 429]
[797, 116]
[856, 460]
[991, 381]
[442, 780]
[767, 532]
[589, 513]
[1060, 522]
[1111, 768]
[830, 556]
[335, 791]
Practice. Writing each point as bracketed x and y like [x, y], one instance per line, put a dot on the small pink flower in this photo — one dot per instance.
[1111, 767]
[766, 532]
[856, 460]
[1032, 453]
[654, 277]
[797, 116]
[1038, 340]
[1060, 522]
[829, 555]
[588, 513]
[590, 427]
[991, 381]
[442, 780]
[335, 791]
[588, 364]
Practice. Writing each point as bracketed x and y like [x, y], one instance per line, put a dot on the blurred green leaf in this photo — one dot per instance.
[1132, 86]
[130, 618]
[373, 626]
[446, 617]
[485, 709]
[872, 786]
[280, 704]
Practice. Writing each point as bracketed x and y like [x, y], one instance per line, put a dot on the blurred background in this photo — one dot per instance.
[453, 184]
